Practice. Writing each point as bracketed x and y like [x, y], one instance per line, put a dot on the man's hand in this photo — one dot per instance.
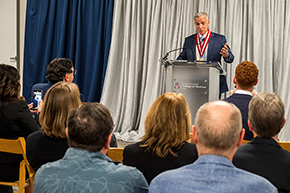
[224, 51]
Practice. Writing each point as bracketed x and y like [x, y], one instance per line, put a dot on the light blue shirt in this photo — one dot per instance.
[83, 171]
[210, 173]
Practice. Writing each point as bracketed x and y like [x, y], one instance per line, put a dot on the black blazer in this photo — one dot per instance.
[41, 149]
[242, 102]
[15, 121]
[151, 165]
[266, 158]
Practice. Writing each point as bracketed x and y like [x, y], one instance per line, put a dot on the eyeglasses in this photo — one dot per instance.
[74, 72]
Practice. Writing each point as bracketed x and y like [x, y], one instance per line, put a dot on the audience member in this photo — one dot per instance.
[50, 143]
[263, 155]
[217, 134]
[85, 166]
[164, 145]
[15, 121]
[246, 77]
[59, 69]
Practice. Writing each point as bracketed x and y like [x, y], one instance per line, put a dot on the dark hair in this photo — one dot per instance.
[9, 84]
[57, 69]
[89, 127]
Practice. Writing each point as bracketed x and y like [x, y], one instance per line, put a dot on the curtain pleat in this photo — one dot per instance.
[78, 30]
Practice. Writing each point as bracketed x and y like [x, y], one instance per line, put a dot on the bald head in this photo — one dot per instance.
[218, 126]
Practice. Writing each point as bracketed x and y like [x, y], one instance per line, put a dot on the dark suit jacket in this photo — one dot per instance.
[266, 158]
[242, 102]
[215, 44]
[151, 165]
[15, 121]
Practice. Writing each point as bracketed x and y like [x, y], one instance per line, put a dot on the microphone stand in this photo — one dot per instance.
[164, 60]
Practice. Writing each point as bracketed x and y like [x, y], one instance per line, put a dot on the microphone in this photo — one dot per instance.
[167, 54]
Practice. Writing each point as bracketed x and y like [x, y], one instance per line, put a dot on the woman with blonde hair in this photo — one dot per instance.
[164, 145]
[50, 143]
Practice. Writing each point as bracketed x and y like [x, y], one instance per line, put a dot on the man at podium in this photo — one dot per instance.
[206, 46]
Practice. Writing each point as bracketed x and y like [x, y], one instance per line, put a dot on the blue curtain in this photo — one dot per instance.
[76, 29]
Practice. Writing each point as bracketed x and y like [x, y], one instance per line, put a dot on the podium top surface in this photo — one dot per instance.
[195, 63]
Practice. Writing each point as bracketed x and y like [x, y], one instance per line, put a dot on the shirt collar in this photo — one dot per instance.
[203, 35]
[73, 153]
[243, 92]
[215, 159]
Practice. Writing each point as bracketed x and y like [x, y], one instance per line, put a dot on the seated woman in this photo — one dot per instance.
[50, 143]
[15, 120]
[164, 145]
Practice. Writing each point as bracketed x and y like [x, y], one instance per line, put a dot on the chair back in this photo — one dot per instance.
[246, 141]
[116, 154]
[18, 147]
[285, 145]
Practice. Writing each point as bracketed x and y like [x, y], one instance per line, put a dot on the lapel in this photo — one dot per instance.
[210, 45]
[193, 47]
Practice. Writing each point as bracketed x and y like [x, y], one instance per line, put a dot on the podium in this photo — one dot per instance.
[197, 81]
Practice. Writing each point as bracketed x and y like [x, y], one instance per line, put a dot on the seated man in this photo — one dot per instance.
[59, 69]
[85, 166]
[246, 76]
[263, 155]
[217, 134]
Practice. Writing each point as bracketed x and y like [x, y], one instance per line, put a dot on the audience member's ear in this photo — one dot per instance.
[107, 144]
[250, 126]
[256, 82]
[283, 123]
[66, 131]
[194, 138]
[241, 137]
[235, 80]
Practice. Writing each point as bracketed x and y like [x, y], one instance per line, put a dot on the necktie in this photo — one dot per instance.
[202, 40]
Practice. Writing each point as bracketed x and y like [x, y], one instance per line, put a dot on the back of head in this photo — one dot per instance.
[218, 126]
[246, 74]
[59, 100]
[167, 124]
[266, 114]
[9, 84]
[89, 127]
[57, 69]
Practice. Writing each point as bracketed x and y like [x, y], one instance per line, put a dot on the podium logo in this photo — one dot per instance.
[176, 85]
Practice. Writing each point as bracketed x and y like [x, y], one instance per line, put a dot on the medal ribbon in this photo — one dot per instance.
[201, 49]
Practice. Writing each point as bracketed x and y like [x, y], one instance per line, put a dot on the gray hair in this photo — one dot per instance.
[266, 114]
[201, 14]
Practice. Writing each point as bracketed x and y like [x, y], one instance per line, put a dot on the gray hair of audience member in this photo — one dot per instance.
[266, 114]
[197, 15]
[89, 127]
[218, 126]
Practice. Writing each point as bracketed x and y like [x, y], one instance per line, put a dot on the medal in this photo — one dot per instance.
[201, 49]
